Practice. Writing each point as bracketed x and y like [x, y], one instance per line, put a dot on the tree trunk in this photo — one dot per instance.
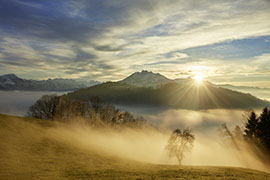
[179, 160]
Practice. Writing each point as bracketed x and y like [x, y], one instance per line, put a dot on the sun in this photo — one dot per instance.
[198, 78]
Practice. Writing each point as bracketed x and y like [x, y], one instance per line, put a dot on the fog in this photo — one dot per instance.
[205, 121]
[148, 145]
[200, 120]
[18, 102]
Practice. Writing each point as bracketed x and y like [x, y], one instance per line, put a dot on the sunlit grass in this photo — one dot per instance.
[27, 151]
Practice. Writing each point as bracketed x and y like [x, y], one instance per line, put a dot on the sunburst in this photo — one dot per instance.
[198, 78]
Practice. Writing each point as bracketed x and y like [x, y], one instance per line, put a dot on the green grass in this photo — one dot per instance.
[28, 151]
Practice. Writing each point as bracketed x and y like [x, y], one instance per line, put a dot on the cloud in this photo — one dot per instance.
[178, 55]
[109, 48]
[47, 23]
[231, 50]
[108, 40]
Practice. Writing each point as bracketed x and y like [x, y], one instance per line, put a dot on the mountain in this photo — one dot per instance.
[146, 79]
[150, 79]
[12, 82]
[263, 93]
[172, 95]
[153, 89]
[156, 80]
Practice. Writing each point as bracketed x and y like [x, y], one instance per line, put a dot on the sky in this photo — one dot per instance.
[226, 41]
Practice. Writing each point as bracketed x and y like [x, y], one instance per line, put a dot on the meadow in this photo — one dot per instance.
[31, 149]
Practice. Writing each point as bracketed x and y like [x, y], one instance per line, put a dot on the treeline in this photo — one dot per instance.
[256, 132]
[94, 112]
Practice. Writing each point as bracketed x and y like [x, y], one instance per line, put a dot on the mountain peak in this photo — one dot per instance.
[146, 79]
[9, 79]
[145, 73]
[10, 76]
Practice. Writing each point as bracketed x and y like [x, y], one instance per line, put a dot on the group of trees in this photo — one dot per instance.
[256, 132]
[257, 128]
[98, 113]
[94, 111]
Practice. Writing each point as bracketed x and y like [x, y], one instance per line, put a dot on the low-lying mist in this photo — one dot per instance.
[18, 102]
[148, 145]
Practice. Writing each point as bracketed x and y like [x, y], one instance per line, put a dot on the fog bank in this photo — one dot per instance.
[18, 102]
[148, 146]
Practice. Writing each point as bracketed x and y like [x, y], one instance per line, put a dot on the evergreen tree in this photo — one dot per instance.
[258, 128]
[264, 128]
[252, 126]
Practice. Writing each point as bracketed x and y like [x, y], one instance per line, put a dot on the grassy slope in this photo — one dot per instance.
[27, 151]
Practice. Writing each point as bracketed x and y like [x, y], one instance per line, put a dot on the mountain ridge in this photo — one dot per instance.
[172, 95]
[263, 93]
[153, 89]
[143, 79]
[156, 80]
[10, 82]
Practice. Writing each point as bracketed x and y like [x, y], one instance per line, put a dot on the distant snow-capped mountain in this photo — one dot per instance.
[9, 80]
[146, 79]
[150, 79]
[13, 82]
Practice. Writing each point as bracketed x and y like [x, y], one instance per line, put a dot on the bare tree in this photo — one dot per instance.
[225, 132]
[179, 143]
[44, 108]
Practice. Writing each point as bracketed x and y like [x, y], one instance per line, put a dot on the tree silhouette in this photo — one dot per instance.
[225, 132]
[96, 103]
[252, 125]
[44, 108]
[95, 112]
[264, 128]
[179, 143]
[238, 133]
[258, 128]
